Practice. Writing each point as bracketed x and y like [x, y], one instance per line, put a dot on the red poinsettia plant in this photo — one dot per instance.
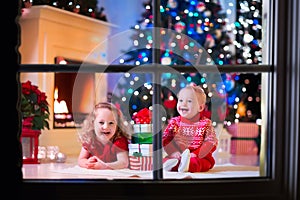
[34, 107]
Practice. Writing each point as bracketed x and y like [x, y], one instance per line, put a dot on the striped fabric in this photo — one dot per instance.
[243, 129]
[141, 163]
[244, 138]
[244, 147]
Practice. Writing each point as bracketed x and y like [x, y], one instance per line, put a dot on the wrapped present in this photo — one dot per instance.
[245, 138]
[244, 130]
[141, 163]
[143, 116]
[142, 138]
[140, 157]
[146, 149]
[244, 146]
[142, 134]
[142, 127]
[133, 148]
[140, 149]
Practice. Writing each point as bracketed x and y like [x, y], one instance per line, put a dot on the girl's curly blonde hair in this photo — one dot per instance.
[87, 132]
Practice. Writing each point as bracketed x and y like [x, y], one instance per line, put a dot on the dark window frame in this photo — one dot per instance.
[281, 183]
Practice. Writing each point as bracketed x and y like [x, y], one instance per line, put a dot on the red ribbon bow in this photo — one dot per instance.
[143, 116]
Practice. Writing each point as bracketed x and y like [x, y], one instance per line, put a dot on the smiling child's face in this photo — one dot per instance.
[188, 105]
[105, 124]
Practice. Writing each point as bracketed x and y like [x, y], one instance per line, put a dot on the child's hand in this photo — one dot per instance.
[96, 163]
[176, 154]
[92, 159]
[193, 155]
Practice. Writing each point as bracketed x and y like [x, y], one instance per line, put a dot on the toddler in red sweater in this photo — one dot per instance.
[189, 139]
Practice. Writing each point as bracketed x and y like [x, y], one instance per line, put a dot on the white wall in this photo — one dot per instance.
[124, 14]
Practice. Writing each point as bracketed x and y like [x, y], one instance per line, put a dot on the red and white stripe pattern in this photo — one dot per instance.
[244, 147]
[141, 163]
[243, 129]
[241, 141]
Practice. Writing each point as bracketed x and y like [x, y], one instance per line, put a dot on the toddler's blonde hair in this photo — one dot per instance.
[199, 92]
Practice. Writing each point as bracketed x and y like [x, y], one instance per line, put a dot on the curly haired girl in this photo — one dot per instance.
[104, 137]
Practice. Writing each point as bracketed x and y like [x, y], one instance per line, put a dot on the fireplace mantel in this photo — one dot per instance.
[46, 33]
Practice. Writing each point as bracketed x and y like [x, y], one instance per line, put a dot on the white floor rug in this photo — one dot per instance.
[219, 171]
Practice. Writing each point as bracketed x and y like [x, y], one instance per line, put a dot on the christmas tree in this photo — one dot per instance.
[206, 23]
[248, 32]
[202, 21]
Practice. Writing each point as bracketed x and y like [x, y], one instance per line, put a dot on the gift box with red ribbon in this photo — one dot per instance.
[143, 116]
[245, 138]
[140, 149]
[140, 157]
[142, 127]
[141, 163]
[142, 134]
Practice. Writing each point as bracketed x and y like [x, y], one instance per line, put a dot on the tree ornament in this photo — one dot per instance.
[166, 60]
[210, 41]
[241, 109]
[207, 13]
[199, 29]
[172, 4]
[200, 7]
[179, 27]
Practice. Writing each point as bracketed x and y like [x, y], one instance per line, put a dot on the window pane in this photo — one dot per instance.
[229, 31]
[194, 33]
[238, 153]
[234, 107]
